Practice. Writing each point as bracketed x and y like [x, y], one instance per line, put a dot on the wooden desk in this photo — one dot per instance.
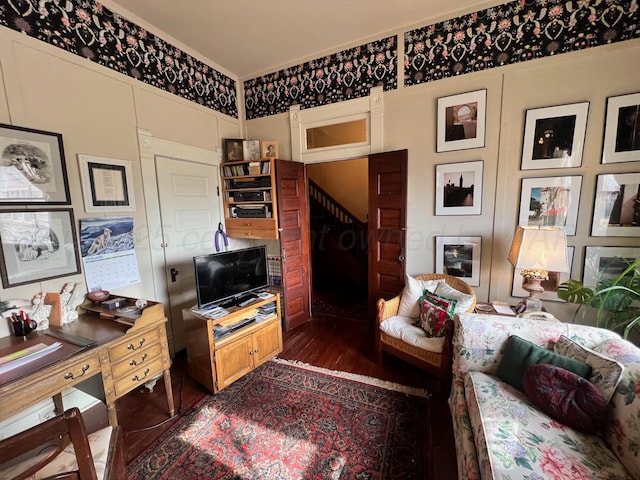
[125, 355]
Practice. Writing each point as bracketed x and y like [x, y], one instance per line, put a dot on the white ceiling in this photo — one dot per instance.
[252, 37]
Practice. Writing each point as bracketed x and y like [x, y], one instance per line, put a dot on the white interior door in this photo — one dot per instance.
[190, 214]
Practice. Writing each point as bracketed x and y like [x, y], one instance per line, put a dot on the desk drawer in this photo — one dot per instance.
[134, 344]
[138, 376]
[139, 359]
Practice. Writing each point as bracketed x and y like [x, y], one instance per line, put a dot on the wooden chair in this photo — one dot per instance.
[60, 448]
[438, 363]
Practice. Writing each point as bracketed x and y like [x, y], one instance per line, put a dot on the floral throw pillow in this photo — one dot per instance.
[432, 319]
[606, 373]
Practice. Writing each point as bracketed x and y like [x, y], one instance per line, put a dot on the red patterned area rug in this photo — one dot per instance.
[287, 420]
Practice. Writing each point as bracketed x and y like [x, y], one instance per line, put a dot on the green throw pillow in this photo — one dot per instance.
[520, 354]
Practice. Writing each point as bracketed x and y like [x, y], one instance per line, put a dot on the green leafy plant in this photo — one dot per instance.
[615, 299]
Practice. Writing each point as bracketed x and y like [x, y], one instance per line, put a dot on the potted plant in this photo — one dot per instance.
[616, 299]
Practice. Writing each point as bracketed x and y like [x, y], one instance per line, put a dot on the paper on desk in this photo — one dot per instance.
[503, 309]
[22, 357]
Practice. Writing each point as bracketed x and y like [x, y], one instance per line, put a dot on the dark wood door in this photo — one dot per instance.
[293, 223]
[387, 224]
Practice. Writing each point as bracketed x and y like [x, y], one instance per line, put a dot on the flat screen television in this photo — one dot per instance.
[225, 278]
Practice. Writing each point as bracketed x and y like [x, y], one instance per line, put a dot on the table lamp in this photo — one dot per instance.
[538, 251]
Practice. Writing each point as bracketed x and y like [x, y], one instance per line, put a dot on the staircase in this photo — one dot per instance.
[338, 245]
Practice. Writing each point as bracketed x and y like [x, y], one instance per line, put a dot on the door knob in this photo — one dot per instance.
[174, 274]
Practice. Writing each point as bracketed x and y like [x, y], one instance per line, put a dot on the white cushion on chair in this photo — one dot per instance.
[403, 328]
[66, 461]
[413, 288]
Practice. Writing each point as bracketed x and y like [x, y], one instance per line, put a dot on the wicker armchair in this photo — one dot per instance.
[437, 363]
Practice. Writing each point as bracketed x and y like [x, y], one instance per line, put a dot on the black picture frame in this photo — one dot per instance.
[107, 184]
[461, 121]
[36, 245]
[33, 168]
[622, 129]
[233, 149]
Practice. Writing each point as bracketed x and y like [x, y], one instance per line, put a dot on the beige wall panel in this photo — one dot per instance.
[410, 122]
[274, 127]
[176, 120]
[591, 75]
[96, 116]
[228, 128]
[4, 108]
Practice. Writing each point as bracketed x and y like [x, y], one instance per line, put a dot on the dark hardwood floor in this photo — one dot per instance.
[327, 342]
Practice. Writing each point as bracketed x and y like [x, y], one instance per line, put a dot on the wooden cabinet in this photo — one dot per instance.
[249, 196]
[216, 363]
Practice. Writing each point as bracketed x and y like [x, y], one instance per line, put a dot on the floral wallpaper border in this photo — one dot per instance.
[90, 30]
[334, 78]
[515, 32]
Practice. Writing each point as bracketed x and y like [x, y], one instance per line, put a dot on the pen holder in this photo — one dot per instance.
[22, 327]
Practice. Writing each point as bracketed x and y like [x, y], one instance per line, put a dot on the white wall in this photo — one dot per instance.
[409, 122]
[98, 112]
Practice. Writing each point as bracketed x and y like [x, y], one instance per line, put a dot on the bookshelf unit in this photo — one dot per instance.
[249, 196]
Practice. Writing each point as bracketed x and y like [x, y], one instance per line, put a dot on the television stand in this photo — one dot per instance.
[251, 337]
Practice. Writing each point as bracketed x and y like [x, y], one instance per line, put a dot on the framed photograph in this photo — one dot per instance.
[459, 257]
[270, 149]
[550, 286]
[550, 202]
[554, 136]
[37, 245]
[459, 188]
[107, 184]
[616, 212]
[606, 262]
[251, 149]
[622, 129]
[462, 121]
[232, 149]
[32, 167]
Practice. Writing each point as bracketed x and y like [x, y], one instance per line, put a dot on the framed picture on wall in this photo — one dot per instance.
[251, 149]
[616, 212]
[606, 262]
[33, 168]
[37, 245]
[550, 202]
[459, 257]
[550, 285]
[459, 188]
[461, 122]
[232, 149]
[270, 149]
[554, 136]
[622, 129]
[107, 184]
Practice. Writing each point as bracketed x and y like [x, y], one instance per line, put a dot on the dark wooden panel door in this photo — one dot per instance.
[387, 224]
[293, 222]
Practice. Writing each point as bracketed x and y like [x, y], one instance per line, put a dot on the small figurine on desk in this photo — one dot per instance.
[40, 311]
[70, 298]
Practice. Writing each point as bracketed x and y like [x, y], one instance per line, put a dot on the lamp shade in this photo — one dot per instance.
[535, 248]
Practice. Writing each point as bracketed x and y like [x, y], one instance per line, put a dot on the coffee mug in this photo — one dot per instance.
[22, 327]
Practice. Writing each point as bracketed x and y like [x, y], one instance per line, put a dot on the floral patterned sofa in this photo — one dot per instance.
[500, 434]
